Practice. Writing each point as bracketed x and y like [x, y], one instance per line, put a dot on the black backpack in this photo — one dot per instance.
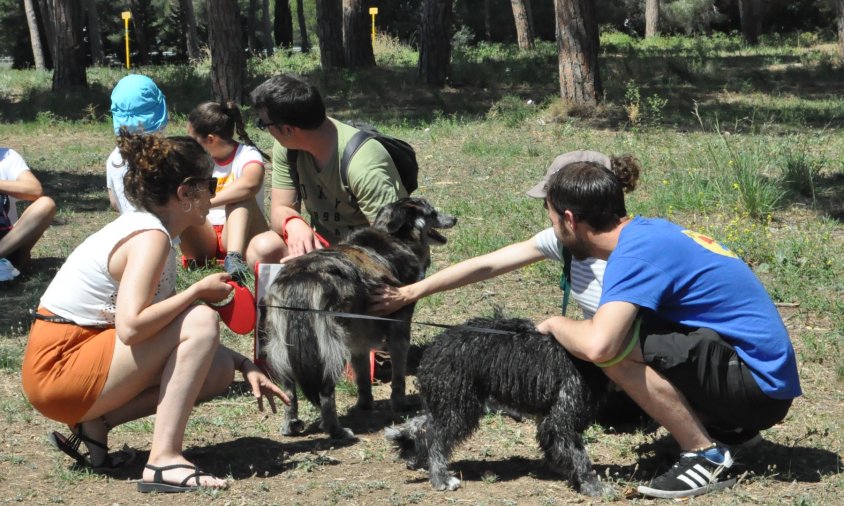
[402, 153]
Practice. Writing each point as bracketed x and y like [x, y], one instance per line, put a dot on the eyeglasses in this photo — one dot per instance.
[260, 125]
[197, 180]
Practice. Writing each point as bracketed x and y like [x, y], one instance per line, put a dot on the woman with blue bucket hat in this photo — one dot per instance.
[139, 105]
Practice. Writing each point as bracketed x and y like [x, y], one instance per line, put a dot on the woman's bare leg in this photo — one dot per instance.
[176, 364]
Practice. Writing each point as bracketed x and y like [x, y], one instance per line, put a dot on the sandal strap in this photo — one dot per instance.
[79, 435]
[158, 473]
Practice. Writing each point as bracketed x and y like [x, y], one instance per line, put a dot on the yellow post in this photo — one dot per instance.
[127, 15]
[373, 11]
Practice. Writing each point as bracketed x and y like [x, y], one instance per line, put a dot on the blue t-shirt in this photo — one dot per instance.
[690, 279]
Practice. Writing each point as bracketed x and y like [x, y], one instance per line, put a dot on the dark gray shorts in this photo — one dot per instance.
[709, 373]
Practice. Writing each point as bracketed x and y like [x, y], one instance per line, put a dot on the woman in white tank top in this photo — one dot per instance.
[113, 341]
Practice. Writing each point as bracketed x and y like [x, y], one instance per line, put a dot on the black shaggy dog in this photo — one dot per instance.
[311, 348]
[464, 369]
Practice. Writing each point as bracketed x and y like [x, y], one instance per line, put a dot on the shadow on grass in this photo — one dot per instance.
[76, 191]
[390, 95]
[23, 293]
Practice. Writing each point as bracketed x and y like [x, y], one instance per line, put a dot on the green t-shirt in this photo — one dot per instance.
[373, 179]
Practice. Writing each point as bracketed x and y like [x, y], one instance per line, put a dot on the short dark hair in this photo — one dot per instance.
[592, 192]
[290, 100]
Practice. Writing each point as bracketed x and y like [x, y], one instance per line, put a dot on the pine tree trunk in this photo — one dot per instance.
[190, 29]
[283, 24]
[435, 50]
[228, 63]
[651, 18]
[752, 15]
[267, 25]
[357, 35]
[139, 22]
[34, 35]
[577, 46]
[303, 28]
[524, 35]
[330, 33]
[250, 26]
[840, 8]
[65, 20]
[487, 20]
[95, 42]
[46, 9]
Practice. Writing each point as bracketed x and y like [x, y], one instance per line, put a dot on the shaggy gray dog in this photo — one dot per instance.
[310, 348]
[524, 370]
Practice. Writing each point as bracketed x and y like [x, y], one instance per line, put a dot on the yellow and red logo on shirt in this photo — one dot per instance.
[710, 244]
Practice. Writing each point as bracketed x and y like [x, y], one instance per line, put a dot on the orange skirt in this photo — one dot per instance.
[65, 367]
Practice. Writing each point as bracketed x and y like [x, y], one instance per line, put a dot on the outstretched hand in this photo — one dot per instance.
[262, 386]
[386, 299]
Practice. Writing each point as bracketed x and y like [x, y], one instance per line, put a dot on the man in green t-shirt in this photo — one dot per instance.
[292, 111]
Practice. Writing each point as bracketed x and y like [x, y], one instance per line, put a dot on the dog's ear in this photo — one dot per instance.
[396, 219]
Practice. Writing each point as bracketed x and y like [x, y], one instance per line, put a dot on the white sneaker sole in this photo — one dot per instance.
[677, 494]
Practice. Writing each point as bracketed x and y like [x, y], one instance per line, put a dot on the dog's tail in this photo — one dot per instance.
[305, 347]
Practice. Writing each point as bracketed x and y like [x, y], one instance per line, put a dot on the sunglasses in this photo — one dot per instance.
[197, 180]
[260, 125]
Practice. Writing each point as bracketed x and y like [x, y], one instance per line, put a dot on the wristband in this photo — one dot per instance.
[627, 349]
[284, 225]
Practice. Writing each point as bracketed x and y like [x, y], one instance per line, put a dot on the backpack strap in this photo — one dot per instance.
[565, 277]
[349, 151]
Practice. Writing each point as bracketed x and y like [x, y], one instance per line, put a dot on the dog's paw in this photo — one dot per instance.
[292, 427]
[596, 488]
[450, 483]
[341, 433]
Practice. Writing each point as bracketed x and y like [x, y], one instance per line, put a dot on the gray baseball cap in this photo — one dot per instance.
[539, 190]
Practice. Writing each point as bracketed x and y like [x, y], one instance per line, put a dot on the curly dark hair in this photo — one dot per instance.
[157, 165]
[594, 193]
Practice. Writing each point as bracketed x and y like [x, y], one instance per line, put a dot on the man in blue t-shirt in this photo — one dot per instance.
[683, 326]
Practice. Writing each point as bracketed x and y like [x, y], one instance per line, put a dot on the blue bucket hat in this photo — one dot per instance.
[138, 104]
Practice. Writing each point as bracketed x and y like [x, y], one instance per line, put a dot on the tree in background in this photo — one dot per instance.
[283, 24]
[34, 35]
[577, 48]
[251, 16]
[752, 15]
[839, 7]
[63, 21]
[267, 28]
[228, 62]
[651, 18]
[303, 28]
[524, 25]
[191, 37]
[330, 33]
[145, 33]
[95, 34]
[435, 47]
[357, 39]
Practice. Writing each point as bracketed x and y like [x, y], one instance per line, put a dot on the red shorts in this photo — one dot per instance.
[65, 368]
[219, 254]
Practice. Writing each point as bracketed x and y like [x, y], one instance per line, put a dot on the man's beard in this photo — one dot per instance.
[578, 249]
